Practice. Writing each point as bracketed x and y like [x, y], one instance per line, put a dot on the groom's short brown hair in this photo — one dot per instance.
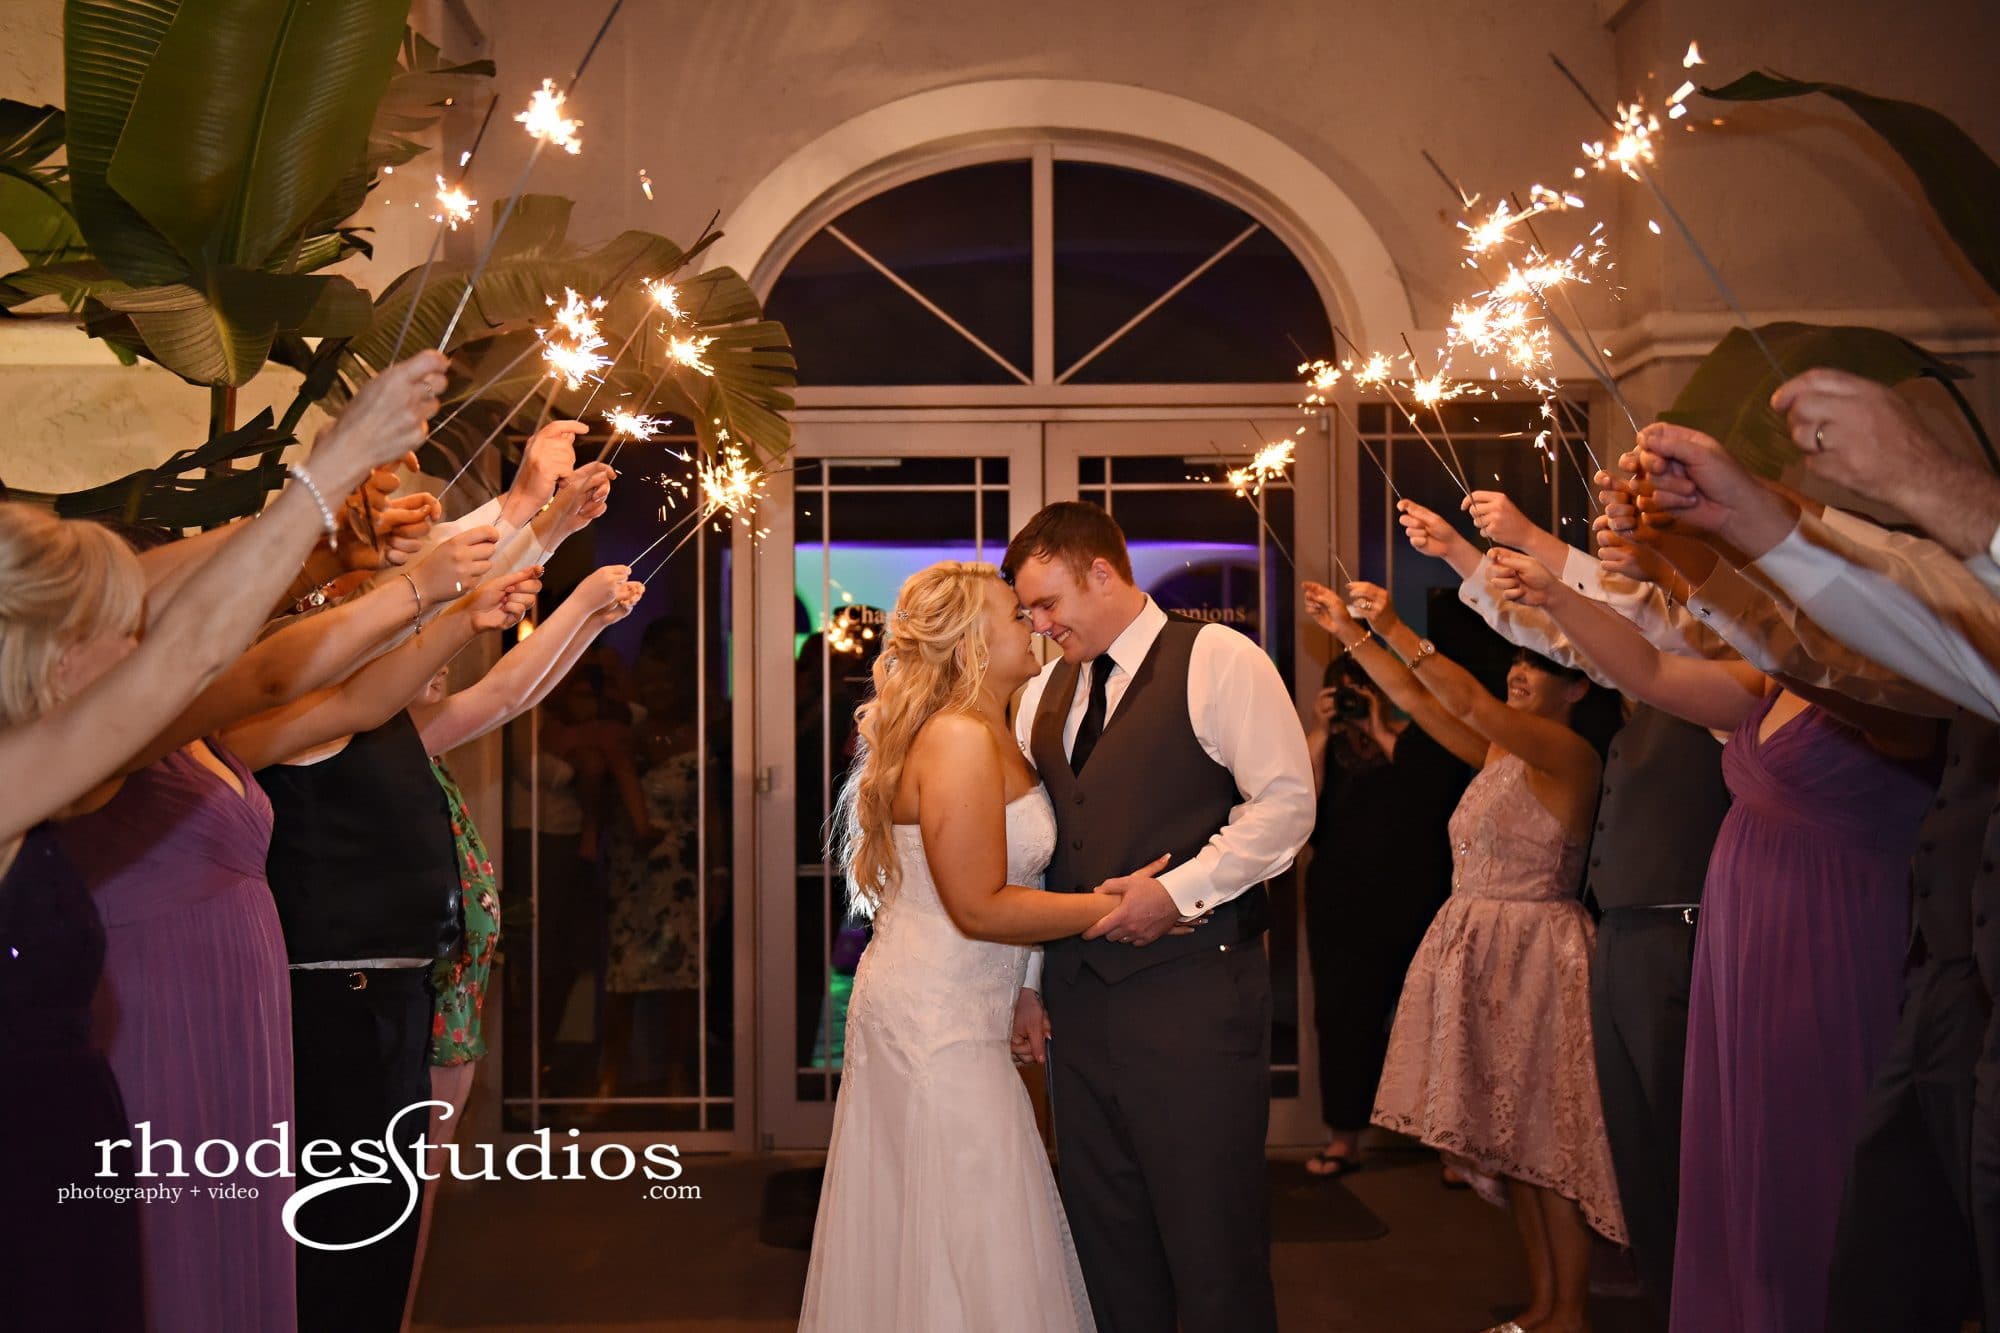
[1075, 532]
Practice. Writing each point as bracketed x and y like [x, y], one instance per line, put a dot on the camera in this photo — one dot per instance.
[1349, 704]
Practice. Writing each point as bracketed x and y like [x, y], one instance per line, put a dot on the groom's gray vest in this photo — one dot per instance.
[1148, 790]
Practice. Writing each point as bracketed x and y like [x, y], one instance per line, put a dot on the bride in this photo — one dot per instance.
[939, 1211]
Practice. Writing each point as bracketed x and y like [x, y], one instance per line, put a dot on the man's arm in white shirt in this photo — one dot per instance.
[1917, 609]
[1523, 626]
[1246, 722]
[1777, 638]
[1668, 627]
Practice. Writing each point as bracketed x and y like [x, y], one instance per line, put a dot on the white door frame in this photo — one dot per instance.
[1042, 467]
[782, 1119]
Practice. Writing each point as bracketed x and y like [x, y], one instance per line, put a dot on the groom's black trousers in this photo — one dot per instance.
[1161, 1093]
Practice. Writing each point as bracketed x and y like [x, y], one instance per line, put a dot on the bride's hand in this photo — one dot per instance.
[1030, 1040]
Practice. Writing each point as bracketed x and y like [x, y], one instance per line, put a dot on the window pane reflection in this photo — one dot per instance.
[618, 892]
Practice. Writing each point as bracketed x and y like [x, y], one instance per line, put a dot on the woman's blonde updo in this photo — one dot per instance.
[62, 583]
[934, 658]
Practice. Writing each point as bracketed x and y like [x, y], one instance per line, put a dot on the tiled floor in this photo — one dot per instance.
[550, 1256]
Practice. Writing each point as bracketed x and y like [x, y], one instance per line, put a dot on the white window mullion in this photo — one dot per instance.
[1042, 247]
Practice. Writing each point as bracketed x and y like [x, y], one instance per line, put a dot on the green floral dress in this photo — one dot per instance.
[461, 979]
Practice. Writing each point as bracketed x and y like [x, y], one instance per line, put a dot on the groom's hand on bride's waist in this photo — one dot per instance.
[1145, 911]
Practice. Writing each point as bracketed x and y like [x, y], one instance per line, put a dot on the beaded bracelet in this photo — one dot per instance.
[304, 478]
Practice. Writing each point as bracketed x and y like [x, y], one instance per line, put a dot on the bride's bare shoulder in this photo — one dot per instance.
[951, 738]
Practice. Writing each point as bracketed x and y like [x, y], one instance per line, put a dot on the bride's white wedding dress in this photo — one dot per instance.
[939, 1211]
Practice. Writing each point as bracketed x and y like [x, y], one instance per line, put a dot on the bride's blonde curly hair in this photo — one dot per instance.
[62, 583]
[934, 658]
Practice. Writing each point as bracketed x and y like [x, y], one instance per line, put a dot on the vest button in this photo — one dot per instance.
[1076, 844]
[1079, 798]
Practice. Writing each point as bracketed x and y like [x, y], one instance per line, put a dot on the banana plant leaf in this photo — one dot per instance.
[35, 214]
[28, 134]
[35, 218]
[179, 493]
[1957, 176]
[1729, 394]
[72, 283]
[224, 335]
[249, 112]
[107, 47]
[421, 91]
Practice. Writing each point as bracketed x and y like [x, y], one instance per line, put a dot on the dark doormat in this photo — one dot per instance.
[1303, 1210]
[1306, 1210]
[791, 1202]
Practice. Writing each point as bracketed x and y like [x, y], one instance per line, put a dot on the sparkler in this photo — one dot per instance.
[633, 426]
[1321, 377]
[1375, 372]
[727, 484]
[1434, 392]
[450, 204]
[1248, 482]
[1632, 152]
[454, 205]
[545, 122]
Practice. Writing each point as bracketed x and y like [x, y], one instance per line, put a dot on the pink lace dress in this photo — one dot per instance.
[1490, 1057]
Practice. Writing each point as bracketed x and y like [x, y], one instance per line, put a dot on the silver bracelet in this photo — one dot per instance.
[414, 592]
[304, 478]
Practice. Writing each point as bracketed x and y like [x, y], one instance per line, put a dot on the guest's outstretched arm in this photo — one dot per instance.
[385, 686]
[1396, 681]
[79, 744]
[527, 672]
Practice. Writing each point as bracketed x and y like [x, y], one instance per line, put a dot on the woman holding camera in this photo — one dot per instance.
[1380, 867]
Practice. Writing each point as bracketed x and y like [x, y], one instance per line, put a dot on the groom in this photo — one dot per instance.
[1157, 735]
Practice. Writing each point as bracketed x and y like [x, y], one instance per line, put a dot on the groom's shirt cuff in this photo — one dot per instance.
[1033, 981]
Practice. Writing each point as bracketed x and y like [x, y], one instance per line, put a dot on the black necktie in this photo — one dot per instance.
[1092, 725]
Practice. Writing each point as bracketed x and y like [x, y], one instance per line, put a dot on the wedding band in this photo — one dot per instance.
[1819, 438]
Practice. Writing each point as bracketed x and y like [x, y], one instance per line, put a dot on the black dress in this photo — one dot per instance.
[73, 1264]
[363, 866]
[1381, 866]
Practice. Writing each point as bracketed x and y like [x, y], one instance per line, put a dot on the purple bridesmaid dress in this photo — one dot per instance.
[194, 1013]
[1797, 977]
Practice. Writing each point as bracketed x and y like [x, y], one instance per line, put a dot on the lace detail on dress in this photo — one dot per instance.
[1490, 1058]
[932, 1114]
[920, 975]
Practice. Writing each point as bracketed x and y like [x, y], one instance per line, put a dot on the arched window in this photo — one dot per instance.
[1086, 273]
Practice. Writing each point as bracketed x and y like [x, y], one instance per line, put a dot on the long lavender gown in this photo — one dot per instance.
[194, 1013]
[1797, 976]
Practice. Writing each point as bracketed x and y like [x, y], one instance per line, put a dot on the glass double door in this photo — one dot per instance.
[866, 506]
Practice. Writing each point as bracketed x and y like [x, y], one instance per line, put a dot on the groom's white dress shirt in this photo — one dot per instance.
[1245, 721]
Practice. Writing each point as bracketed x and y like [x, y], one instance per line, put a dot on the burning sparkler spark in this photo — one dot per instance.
[1632, 147]
[1373, 374]
[730, 485]
[633, 426]
[580, 359]
[1692, 58]
[545, 120]
[454, 205]
[691, 352]
[664, 296]
[1266, 466]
